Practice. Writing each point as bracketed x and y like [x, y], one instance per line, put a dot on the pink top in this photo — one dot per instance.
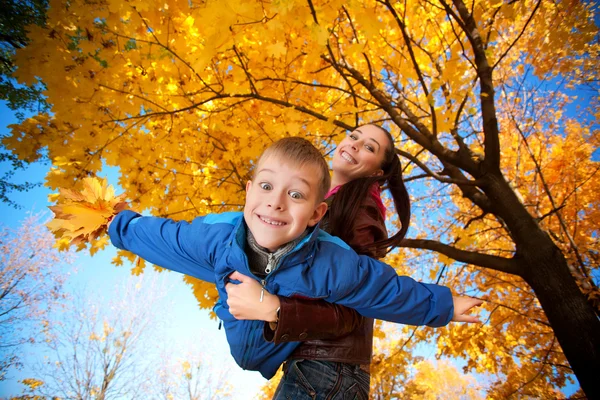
[374, 191]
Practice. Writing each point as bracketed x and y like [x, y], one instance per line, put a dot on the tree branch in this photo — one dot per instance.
[486, 85]
[501, 264]
[433, 174]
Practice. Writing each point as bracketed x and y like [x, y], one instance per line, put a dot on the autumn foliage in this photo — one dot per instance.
[484, 99]
[81, 217]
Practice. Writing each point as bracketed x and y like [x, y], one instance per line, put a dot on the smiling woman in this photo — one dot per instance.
[359, 155]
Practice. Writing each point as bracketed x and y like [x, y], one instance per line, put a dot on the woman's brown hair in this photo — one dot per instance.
[350, 198]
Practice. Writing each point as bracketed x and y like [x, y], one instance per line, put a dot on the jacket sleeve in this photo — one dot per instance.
[167, 243]
[375, 290]
[369, 227]
[303, 319]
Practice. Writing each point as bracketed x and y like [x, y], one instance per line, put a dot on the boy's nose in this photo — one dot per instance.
[275, 201]
[275, 205]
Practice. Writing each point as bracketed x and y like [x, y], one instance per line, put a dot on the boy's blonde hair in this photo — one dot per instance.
[301, 152]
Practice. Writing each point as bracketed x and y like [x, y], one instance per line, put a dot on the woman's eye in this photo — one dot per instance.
[370, 148]
[296, 195]
[265, 186]
[353, 136]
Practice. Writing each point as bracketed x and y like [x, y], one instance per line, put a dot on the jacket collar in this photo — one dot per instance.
[301, 253]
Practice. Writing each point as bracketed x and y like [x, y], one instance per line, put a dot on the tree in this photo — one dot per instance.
[439, 380]
[103, 350]
[190, 377]
[31, 285]
[480, 96]
[16, 16]
[14, 19]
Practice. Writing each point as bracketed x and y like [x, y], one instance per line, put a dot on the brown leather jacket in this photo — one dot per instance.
[331, 332]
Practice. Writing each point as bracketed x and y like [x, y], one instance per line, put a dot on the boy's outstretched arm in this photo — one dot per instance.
[463, 304]
[179, 246]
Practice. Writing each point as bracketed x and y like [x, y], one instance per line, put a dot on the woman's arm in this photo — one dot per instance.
[369, 227]
[303, 319]
[289, 319]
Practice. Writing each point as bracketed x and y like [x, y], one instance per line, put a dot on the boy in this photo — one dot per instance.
[270, 238]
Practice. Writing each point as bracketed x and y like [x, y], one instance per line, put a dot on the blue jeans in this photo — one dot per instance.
[322, 380]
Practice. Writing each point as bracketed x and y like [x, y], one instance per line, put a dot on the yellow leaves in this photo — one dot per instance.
[277, 49]
[282, 7]
[206, 294]
[32, 383]
[369, 22]
[445, 259]
[81, 216]
[189, 22]
[320, 34]
[269, 388]
[140, 265]
[440, 379]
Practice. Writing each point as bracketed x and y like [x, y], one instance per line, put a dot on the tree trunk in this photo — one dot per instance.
[544, 268]
[571, 316]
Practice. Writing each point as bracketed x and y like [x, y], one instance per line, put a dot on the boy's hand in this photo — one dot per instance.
[244, 302]
[463, 304]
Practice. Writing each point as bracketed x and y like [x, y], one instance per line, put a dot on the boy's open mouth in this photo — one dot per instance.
[271, 221]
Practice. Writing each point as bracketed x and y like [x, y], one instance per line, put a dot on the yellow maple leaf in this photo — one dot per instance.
[82, 217]
[277, 49]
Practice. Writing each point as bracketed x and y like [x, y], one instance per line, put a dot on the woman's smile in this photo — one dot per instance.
[348, 157]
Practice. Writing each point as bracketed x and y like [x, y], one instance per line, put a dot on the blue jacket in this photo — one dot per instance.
[321, 266]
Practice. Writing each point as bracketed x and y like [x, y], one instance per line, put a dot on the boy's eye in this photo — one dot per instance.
[296, 195]
[265, 186]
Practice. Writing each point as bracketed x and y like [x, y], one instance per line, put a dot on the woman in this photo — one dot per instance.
[337, 342]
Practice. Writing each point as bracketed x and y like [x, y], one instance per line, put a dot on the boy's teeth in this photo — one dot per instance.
[346, 157]
[271, 222]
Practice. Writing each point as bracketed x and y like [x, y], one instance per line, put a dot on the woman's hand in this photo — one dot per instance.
[462, 305]
[244, 302]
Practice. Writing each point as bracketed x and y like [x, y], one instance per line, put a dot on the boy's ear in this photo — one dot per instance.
[319, 212]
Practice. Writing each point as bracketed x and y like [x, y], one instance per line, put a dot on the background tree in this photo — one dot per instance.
[31, 286]
[103, 353]
[480, 95]
[191, 377]
[438, 380]
[15, 17]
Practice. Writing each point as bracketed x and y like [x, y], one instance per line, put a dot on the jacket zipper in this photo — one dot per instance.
[268, 269]
[269, 266]
[263, 283]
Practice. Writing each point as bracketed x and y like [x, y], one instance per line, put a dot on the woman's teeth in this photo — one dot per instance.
[348, 158]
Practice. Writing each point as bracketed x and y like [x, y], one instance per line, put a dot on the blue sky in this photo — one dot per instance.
[189, 324]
